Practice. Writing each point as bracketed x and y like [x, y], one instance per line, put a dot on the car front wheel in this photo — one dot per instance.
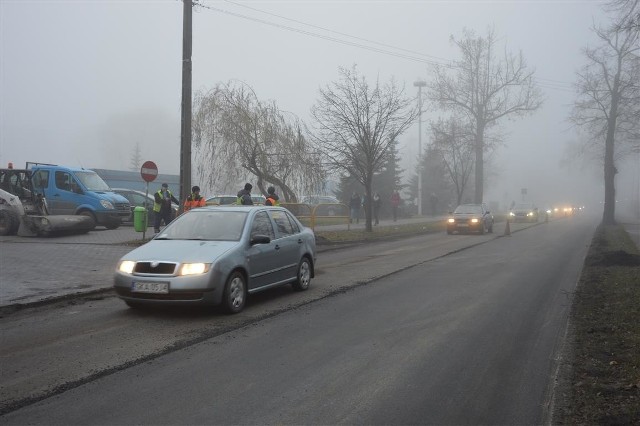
[304, 275]
[235, 293]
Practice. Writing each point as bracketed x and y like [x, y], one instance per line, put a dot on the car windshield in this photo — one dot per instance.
[206, 225]
[468, 209]
[92, 181]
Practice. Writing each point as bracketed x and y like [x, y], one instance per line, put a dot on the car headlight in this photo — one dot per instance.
[474, 220]
[549, 211]
[106, 204]
[530, 214]
[194, 268]
[126, 266]
[512, 214]
[451, 220]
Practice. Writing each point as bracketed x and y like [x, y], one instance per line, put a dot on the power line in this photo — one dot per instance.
[409, 55]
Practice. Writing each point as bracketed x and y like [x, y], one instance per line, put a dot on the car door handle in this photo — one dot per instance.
[299, 240]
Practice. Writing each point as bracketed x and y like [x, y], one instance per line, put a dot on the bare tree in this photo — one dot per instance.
[455, 144]
[608, 102]
[236, 135]
[628, 13]
[136, 158]
[356, 125]
[485, 89]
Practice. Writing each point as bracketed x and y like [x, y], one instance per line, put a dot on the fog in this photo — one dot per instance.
[83, 82]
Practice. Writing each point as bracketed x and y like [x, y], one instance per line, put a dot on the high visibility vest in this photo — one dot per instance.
[157, 205]
[193, 201]
[273, 201]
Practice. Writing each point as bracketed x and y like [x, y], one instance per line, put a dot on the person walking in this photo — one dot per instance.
[395, 202]
[376, 208]
[194, 199]
[244, 195]
[355, 204]
[162, 207]
[272, 197]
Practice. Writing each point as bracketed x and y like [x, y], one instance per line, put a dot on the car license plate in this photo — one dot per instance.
[462, 224]
[149, 287]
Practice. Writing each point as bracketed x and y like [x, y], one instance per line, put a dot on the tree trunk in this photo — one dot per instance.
[368, 203]
[609, 214]
[479, 145]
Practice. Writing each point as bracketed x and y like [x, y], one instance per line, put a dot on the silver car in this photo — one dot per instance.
[217, 256]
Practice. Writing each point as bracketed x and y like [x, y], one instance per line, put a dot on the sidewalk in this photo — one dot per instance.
[33, 269]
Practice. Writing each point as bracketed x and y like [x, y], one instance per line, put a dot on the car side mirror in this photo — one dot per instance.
[260, 239]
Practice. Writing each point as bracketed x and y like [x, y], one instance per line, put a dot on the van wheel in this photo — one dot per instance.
[90, 215]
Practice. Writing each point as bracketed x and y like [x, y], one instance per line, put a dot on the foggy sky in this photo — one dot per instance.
[83, 81]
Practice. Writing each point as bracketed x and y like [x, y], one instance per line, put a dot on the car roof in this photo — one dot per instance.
[132, 190]
[239, 207]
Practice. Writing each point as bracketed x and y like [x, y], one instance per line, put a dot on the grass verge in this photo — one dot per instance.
[378, 233]
[601, 380]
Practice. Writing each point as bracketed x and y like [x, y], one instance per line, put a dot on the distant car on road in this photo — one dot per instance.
[218, 256]
[524, 212]
[139, 198]
[470, 218]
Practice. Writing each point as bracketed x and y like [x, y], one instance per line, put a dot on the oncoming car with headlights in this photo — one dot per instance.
[525, 212]
[470, 218]
[218, 256]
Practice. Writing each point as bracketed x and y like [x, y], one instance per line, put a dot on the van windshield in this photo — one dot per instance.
[92, 181]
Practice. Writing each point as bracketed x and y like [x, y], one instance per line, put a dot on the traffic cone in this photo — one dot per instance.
[507, 229]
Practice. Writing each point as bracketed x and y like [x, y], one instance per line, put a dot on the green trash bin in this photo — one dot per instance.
[140, 219]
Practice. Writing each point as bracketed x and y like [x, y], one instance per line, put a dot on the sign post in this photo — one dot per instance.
[149, 173]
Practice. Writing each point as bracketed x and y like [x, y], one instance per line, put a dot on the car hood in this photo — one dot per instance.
[181, 251]
[111, 196]
[466, 215]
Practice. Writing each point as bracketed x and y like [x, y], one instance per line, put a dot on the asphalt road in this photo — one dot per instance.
[436, 329]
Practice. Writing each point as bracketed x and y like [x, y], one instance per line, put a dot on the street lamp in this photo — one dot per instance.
[420, 84]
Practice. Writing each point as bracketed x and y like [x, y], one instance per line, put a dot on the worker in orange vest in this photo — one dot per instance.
[272, 197]
[194, 200]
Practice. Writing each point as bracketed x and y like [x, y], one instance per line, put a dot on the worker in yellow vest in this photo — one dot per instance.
[162, 206]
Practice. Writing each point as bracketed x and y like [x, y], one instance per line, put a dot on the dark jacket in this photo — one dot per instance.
[244, 198]
[163, 202]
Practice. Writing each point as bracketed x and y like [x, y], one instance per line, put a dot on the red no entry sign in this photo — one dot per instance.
[149, 171]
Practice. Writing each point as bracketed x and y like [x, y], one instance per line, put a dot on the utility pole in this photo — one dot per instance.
[185, 130]
[420, 84]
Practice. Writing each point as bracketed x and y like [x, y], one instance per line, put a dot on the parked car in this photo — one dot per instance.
[525, 212]
[224, 200]
[325, 205]
[470, 218]
[218, 256]
[139, 198]
[221, 200]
